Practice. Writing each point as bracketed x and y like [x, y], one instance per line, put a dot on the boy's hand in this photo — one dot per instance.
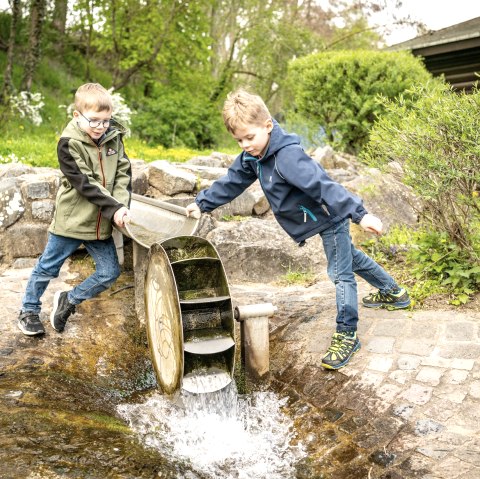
[372, 223]
[121, 217]
[193, 210]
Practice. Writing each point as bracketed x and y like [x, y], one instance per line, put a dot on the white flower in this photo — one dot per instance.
[28, 105]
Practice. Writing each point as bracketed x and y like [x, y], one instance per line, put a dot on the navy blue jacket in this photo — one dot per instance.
[303, 198]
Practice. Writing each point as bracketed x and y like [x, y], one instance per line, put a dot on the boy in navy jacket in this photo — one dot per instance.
[305, 202]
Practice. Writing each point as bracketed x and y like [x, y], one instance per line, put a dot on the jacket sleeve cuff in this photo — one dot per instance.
[359, 214]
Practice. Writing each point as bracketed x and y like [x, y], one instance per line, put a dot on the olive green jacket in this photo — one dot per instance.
[96, 182]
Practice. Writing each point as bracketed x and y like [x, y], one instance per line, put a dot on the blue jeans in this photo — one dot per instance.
[343, 261]
[58, 249]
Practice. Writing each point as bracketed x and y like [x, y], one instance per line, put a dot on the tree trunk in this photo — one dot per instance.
[59, 22]
[37, 16]
[7, 76]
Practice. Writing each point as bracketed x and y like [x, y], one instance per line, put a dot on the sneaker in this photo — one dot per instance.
[29, 324]
[62, 309]
[344, 345]
[393, 300]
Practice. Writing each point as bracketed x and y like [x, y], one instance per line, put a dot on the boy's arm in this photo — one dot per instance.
[80, 176]
[307, 175]
[226, 188]
[122, 189]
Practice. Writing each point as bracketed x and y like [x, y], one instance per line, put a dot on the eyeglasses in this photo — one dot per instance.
[96, 123]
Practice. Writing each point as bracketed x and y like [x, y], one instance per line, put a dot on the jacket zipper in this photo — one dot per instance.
[306, 212]
[99, 216]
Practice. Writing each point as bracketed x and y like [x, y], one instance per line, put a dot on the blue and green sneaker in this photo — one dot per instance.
[396, 299]
[344, 345]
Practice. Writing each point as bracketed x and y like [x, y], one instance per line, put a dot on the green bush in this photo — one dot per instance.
[178, 118]
[435, 139]
[338, 90]
[427, 262]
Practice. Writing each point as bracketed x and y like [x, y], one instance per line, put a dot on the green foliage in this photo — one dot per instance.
[437, 259]
[292, 277]
[428, 263]
[234, 218]
[435, 137]
[339, 90]
[178, 118]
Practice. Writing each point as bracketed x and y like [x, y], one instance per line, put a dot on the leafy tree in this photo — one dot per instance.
[435, 138]
[339, 90]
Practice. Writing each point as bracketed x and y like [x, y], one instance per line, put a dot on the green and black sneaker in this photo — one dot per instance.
[344, 345]
[398, 299]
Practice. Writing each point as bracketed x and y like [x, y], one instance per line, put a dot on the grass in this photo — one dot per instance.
[301, 278]
[38, 147]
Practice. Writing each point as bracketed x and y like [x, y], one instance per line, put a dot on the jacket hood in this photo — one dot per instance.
[72, 130]
[280, 139]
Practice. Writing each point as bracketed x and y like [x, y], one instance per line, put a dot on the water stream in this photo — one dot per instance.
[220, 434]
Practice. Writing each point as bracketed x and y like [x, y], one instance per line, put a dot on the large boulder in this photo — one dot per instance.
[169, 179]
[259, 250]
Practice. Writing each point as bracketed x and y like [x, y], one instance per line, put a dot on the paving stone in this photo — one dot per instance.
[474, 389]
[380, 363]
[450, 467]
[429, 375]
[426, 427]
[381, 345]
[368, 378]
[463, 364]
[388, 392]
[436, 361]
[440, 409]
[400, 377]
[456, 376]
[418, 394]
[416, 346]
[404, 411]
[460, 351]
[460, 331]
[391, 327]
[434, 452]
[453, 393]
[408, 362]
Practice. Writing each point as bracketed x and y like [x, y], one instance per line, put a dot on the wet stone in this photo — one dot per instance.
[382, 458]
[332, 415]
[404, 411]
[425, 427]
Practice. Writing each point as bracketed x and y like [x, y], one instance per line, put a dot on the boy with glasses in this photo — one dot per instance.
[305, 202]
[95, 191]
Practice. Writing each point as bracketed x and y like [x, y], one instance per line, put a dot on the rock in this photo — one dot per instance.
[12, 170]
[241, 206]
[139, 177]
[325, 156]
[43, 210]
[207, 173]
[24, 240]
[259, 250]
[170, 179]
[12, 206]
[206, 161]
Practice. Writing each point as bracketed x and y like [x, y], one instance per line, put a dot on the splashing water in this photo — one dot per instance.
[220, 434]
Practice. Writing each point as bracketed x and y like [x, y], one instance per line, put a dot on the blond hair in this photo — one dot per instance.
[242, 108]
[92, 96]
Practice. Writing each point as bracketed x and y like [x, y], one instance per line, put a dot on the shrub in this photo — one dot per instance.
[178, 118]
[435, 139]
[427, 262]
[338, 90]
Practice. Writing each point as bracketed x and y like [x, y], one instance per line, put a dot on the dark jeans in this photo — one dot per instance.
[343, 261]
[58, 249]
